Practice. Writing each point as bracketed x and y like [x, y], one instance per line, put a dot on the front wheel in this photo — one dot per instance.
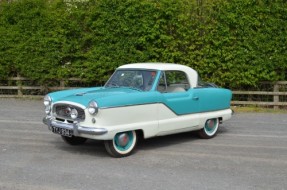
[122, 144]
[210, 129]
[74, 140]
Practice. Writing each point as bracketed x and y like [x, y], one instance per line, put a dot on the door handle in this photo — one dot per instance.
[195, 98]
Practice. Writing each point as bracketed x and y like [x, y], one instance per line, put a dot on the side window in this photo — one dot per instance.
[173, 81]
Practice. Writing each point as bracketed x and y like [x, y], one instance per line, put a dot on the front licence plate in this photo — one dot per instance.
[62, 131]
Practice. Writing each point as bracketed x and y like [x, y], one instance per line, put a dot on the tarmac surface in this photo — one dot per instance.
[249, 152]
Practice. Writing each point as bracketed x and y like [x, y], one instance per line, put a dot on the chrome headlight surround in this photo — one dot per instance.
[93, 107]
[47, 103]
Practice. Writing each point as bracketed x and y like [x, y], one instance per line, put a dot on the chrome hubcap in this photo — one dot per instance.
[210, 123]
[123, 139]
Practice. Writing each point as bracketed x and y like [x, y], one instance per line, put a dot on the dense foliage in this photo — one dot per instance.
[232, 43]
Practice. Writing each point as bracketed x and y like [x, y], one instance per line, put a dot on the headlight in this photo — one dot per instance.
[74, 114]
[93, 108]
[47, 100]
[47, 103]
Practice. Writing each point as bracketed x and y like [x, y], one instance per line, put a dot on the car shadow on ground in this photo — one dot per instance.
[97, 148]
[90, 147]
[166, 141]
[173, 140]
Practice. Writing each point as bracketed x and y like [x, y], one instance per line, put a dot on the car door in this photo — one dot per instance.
[179, 103]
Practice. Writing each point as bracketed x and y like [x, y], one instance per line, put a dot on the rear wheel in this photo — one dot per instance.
[122, 145]
[210, 129]
[74, 140]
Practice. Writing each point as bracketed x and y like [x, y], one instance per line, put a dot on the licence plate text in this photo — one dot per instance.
[62, 131]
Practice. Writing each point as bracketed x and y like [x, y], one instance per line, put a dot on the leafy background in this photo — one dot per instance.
[233, 43]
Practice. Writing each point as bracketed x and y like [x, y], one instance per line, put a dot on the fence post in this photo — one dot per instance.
[19, 85]
[276, 97]
[62, 84]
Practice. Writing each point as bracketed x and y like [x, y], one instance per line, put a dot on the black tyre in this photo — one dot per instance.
[122, 145]
[74, 140]
[210, 129]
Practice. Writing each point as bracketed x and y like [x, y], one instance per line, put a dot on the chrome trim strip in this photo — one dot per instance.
[183, 114]
[77, 129]
[129, 105]
[70, 103]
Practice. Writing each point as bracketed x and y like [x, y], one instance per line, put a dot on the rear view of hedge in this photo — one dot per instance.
[232, 43]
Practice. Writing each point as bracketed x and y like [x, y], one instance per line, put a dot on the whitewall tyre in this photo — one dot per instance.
[210, 129]
[122, 145]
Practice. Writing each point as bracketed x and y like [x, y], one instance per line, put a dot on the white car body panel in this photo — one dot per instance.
[155, 120]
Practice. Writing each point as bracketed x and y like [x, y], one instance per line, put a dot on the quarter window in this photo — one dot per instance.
[173, 81]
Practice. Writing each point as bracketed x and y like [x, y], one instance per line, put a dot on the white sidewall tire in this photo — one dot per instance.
[208, 131]
[215, 128]
[115, 150]
[131, 147]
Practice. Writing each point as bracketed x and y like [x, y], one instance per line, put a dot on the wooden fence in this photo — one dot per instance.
[18, 89]
[277, 98]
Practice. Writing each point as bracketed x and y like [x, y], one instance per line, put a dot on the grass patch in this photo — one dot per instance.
[249, 109]
[24, 97]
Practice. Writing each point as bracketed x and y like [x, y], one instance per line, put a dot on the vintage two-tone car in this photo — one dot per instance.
[139, 100]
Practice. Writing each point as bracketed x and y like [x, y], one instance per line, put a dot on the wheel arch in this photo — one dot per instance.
[220, 120]
[140, 134]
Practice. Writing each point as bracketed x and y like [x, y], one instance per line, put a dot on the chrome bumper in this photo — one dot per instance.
[75, 127]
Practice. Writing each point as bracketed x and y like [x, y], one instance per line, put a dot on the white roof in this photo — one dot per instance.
[155, 66]
[191, 73]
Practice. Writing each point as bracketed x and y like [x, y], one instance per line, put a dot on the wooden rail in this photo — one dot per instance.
[276, 103]
[276, 93]
[19, 87]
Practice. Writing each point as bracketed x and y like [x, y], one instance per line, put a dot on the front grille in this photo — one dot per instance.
[62, 111]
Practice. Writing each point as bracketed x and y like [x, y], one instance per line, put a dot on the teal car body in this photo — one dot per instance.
[151, 99]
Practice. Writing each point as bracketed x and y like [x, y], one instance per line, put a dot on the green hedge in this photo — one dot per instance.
[234, 43]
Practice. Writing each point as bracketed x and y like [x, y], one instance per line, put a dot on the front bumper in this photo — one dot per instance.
[75, 127]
